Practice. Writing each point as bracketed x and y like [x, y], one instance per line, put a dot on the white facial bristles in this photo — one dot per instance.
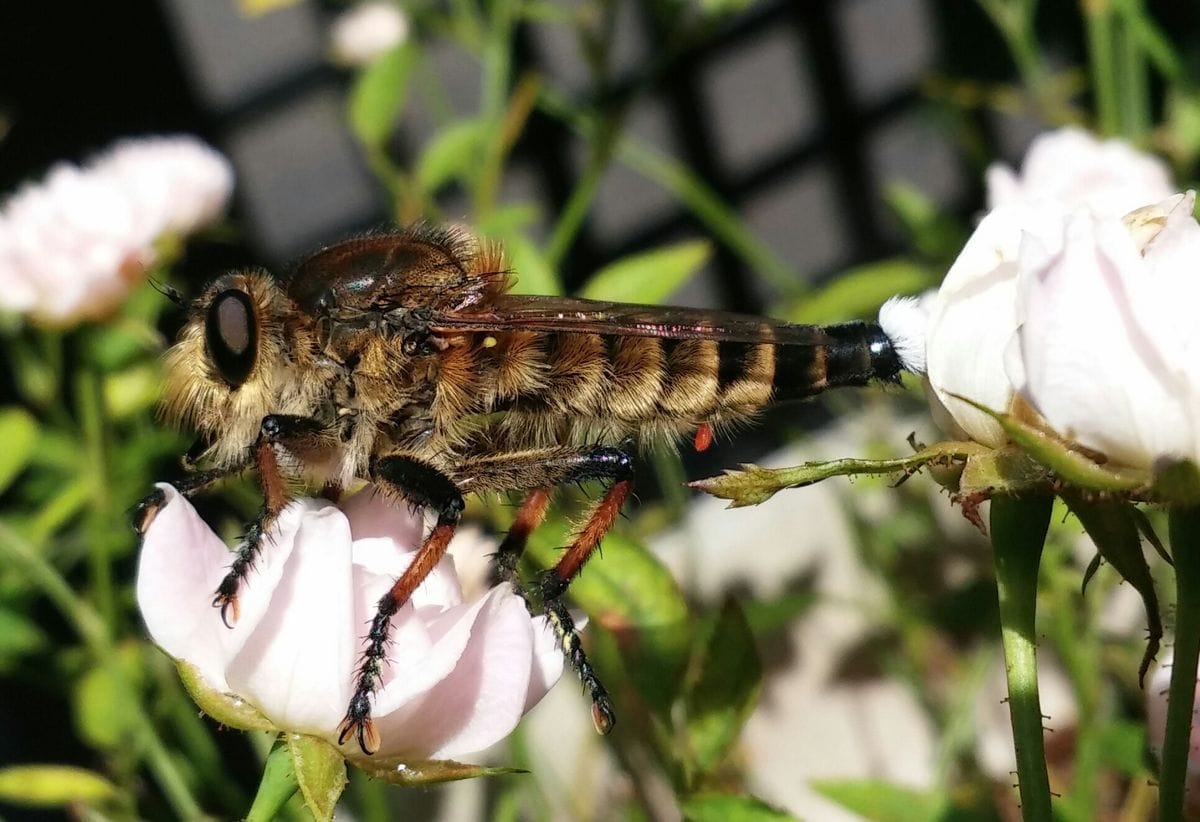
[905, 321]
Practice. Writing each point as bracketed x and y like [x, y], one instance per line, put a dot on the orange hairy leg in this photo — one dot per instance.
[295, 434]
[400, 477]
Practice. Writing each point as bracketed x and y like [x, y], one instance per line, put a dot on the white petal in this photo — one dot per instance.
[1091, 369]
[482, 700]
[371, 515]
[179, 566]
[296, 666]
[424, 648]
[547, 660]
[974, 315]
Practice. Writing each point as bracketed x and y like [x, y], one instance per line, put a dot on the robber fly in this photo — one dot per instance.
[402, 359]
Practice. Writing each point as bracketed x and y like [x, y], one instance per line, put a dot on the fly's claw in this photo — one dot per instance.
[603, 716]
[145, 511]
[358, 724]
[228, 603]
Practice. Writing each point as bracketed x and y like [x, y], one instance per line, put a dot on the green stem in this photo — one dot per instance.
[98, 525]
[1018, 535]
[20, 555]
[1103, 67]
[602, 141]
[1134, 93]
[278, 785]
[1184, 526]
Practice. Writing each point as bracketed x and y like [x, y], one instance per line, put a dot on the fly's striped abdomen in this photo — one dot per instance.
[623, 380]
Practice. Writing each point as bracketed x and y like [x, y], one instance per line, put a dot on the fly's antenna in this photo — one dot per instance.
[169, 291]
[904, 321]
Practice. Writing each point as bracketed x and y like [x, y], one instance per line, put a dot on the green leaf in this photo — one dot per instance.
[726, 689]
[882, 801]
[719, 218]
[649, 277]
[930, 231]
[860, 291]
[428, 772]
[631, 594]
[534, 273]
[228, 709]
[320, 771]
[1057, 455]
[751, 484]
[19, 636]
[19, 433]
[53, 786]
[1113, 527]
[454, 153]
[104, 706]
[36, 377]
[724, 807]
[132, 391]
[1122, 745]
[379, 93]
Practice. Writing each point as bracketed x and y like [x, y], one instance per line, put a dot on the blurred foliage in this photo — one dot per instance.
[81, 447]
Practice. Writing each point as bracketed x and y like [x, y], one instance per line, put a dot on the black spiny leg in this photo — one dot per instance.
[301, 436]
[556, 467]
[423, 486]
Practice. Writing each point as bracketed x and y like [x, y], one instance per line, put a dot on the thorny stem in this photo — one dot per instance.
[19, 554]
[1184, 526]
[1018, 536]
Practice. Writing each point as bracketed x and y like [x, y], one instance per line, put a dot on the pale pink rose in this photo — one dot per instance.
[461, 673]
[367, 31]
[75, 244]
[1073, 168]
[1108, 345]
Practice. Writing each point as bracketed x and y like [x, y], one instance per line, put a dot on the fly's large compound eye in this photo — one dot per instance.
[231, 334]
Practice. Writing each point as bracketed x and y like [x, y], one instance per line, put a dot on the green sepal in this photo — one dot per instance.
[416, 773]
[1178, 483]
[751, 484]
[320, 772]
[1114, 529]
[228, 709]
[1005, 470]
[1059, 456]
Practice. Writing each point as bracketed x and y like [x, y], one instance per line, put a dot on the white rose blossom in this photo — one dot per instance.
[1107, 344]
[1054, 297]
[367, 31]
[461, 673]
[73, 245]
